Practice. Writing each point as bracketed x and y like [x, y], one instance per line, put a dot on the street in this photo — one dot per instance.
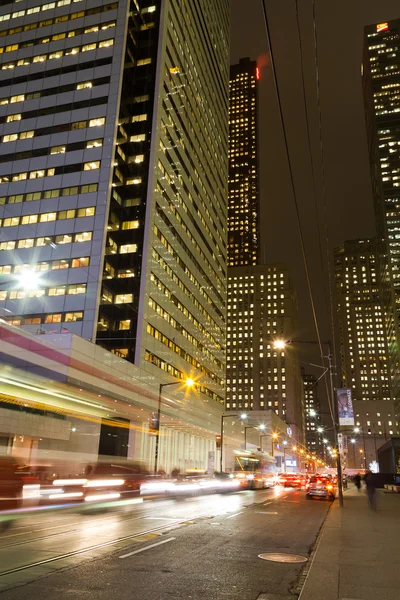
[201, 547]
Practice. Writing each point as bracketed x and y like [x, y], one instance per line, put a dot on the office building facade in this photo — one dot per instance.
[262, 307]
[363, 341]
[381, 85]
[113, 177]
[244, 204]
[312, 413]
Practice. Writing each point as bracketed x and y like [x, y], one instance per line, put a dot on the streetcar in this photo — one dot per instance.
[255, 470]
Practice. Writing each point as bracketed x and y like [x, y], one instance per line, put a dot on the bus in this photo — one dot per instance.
[255, 470]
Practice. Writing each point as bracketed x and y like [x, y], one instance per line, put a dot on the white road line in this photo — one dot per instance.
[266, 503]
[147, 548]
[235, 515]
[160, 518]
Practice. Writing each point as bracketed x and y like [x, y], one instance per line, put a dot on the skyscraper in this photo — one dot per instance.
[113, 177]
[244, 204]
[363, 340]
[312, 412]
[381, 85]
[262, 307]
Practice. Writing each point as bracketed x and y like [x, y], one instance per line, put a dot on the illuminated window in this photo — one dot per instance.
[106, 43]
[97, 122]
[123, 298]
[84, 86]
[130, 224]
[57, 150]
[12, 118]
[73, 316]
[91, 166]
[128, 248]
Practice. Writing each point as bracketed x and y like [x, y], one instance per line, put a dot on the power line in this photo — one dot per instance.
[324, 199]
[298, 220]
[330, 403]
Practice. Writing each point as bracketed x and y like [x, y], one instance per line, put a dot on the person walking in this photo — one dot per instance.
[357, 481]
[369, 481]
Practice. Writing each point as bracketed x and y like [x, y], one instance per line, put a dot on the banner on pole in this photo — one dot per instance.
[345, 407]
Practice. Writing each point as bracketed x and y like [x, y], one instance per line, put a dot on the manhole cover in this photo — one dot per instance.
[284, 558]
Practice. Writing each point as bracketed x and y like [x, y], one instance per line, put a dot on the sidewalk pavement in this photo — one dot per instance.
[357, 554]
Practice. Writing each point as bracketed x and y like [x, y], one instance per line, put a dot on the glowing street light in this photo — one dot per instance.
[325, 441]
[320, 429]
[189, 382]
[279, 344]
[28, 280]
[356, 430]
[262, 427]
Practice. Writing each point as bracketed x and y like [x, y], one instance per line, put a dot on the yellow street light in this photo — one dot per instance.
[275, 435]
[189, 382]
[279, 344]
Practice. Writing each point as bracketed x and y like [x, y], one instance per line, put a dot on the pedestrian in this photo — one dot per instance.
[357, 481]
[369, 481]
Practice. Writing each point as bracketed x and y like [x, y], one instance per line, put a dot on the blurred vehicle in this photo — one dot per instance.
[320, 486]
[291, 480]
[254, 470]
[195, 483]
[11, 485]
[104, 480]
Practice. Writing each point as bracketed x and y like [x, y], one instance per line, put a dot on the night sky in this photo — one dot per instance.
[347, 182]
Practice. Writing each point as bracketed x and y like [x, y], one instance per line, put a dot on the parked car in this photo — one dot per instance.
[320, 486]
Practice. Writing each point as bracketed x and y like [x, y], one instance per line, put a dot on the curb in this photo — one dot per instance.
[298, 590]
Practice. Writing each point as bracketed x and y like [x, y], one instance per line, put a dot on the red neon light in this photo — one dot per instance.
[382, 27]
[257, 73]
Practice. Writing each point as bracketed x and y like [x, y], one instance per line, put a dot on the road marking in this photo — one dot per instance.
[160, 518]
[147, 548]
[266, 503]
[264, 512]
[235, 515]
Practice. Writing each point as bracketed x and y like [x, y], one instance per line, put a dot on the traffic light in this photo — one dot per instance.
[218, 441]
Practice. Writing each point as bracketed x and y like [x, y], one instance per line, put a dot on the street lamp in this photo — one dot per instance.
[242, 416]
[274, 436]
[281, 344]
[27, 280]
[320, 429]
[189, 382]
[260, 427]
[284, 455]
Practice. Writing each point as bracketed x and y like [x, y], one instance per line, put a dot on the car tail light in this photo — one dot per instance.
[318, 481]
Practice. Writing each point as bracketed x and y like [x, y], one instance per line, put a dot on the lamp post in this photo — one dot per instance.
[242, 416]
[357, 430]
[281, 344]
[284, 455]
[353, 441]
[260, 428]
[189, 383]
[262, 436]
[274, 436]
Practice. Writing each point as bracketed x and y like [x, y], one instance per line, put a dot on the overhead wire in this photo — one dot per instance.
[294, 194]
[324, 196]
[311, 154]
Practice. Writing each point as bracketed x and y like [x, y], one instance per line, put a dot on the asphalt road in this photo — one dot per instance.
[197, 548]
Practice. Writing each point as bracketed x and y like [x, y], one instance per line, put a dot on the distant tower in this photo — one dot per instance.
[244, 202]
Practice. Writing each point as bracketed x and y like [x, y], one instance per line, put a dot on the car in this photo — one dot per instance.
[291, 480]
[320, 486]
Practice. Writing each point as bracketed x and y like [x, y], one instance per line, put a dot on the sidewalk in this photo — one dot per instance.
[357, 555]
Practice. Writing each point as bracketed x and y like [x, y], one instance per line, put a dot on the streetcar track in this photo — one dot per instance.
[46, 561]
